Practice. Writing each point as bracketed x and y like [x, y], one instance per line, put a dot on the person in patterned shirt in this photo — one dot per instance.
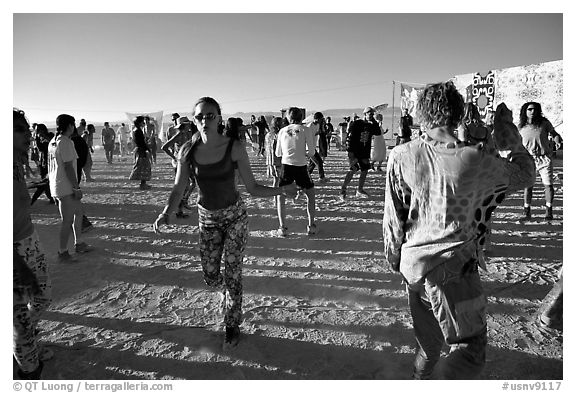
[31, 281]
[440, 193]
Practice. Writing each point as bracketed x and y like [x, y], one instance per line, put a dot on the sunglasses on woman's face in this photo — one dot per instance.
[207, 116]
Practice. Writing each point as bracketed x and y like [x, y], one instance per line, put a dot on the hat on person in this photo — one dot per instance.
[182, 121]
[368, 109]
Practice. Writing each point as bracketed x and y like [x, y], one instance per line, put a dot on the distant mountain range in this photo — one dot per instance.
[335, 114]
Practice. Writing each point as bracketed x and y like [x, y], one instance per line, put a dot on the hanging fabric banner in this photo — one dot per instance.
[483, 91]
[515, 86]
[409, 98]
[542, 83]
[157, 118]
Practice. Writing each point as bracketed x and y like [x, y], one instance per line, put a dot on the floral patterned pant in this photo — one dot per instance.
[224, 231]
[27, 307]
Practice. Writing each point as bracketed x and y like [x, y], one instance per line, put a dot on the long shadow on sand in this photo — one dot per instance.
[526, 366]
[288, 358]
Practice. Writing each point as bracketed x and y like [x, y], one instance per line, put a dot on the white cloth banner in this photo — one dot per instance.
[157, 116]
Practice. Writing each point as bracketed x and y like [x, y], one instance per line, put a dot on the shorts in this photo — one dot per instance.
[108, 146]
[362, 164]
[544, 167]
[299, 174]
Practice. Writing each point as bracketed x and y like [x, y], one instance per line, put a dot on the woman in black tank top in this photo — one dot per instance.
[211, 158]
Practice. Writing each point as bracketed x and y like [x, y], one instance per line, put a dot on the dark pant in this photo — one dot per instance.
[314, 161]
[551, 311]
[261, 147]
[42, 187]
[362, 164]
[449, 306]
[548, 194]
[109, 151]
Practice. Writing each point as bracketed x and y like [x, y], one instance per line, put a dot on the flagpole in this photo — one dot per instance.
[393, 108]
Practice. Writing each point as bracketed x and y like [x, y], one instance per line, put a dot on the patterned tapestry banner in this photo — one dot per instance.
[542, 83]
[157, 116]
[409, 98]
[514, 86]
[483, 91]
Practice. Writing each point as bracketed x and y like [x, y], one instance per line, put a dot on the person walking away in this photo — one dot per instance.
[535, 130]
[440, 193]
[212, 158]
[142, 169]
[31, 290]
[378, 153]
[108, 141]
[293, 143]
[358, 145]
[62, 172]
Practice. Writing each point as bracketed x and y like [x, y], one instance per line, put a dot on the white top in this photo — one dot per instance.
[60, 150]
[294, 141]
[122, 133]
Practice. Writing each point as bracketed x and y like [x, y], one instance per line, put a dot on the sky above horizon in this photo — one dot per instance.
[98, 66]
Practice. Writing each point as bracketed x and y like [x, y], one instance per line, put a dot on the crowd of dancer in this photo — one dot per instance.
[441, 189]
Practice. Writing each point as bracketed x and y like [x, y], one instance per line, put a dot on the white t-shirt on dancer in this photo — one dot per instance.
[60, 150]
[294, 141]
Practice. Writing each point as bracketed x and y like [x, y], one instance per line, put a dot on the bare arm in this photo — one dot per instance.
[71, 175]
[168, 147]
[180, 183]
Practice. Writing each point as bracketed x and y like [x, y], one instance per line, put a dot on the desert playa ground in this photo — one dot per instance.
[315, 308]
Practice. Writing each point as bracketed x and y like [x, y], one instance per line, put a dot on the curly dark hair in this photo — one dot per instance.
[537, 118]
[440, 104]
